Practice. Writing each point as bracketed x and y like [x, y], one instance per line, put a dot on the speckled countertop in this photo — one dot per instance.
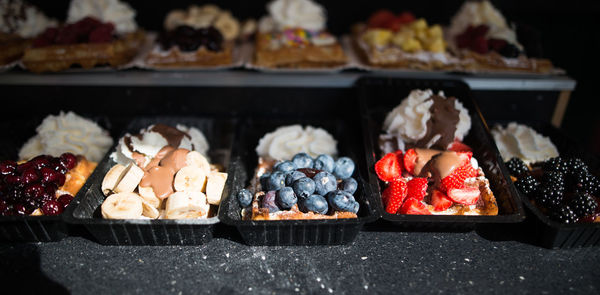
[378, 262]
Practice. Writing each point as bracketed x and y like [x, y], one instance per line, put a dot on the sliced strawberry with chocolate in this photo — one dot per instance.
[458, 146]
[440, 201]
[465, 196]
[410, 158]
[396, 193]
[414, 207]
[417, 188]
[457, 178]
[388, 168]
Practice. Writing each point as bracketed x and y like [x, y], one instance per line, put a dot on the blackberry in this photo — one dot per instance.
[548, 198]
[564, 215]
[575, 165]
[584, 181]
[555, 165]
[516, 167]
[583, 205]
[527, 184]
[554, 181]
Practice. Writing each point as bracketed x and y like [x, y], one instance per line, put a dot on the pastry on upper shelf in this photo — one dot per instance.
[19, 23]
[402, 41]
[298, 177]
[481, 37]
[199, 36]
[97, 33]
[293, 35]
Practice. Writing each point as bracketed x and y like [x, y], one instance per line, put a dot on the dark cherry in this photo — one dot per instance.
[46, 196]
[12, 180]
[35, 190]
[40, 161]
[52, 207]
[24, 166]
[49, 175]
[56, 165]
[13, 195]
[68, 160]
[29, 176]
[65, 200]
[8, 167]
[3, 207]
[21, 209]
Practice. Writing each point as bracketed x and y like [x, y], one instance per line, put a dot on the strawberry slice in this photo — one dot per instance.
[396, 193]
[385, 196]
[457, 178]
[458, 146]
[388, 168]
[440, 201]
[414, 207]
[465, 196]
[410, 158]
[417, 188]
[379, 18]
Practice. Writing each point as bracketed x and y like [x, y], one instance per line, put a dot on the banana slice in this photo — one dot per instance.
[190, 179]
[147, 194]
[214, 187]
[122, 206]
[148, 210]
[129, 179]
[195, 158]
[182, 205]
[227, 25]
[111, 178]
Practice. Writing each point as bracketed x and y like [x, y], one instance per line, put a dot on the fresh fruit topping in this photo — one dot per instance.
[497, 44]
[102, 33]
[564, 215]
[8, 167]
[516, 167]
[465, 196]
[324, 183]
[324, 163]
[342, 201]
[293, 176]
[314, 203]
[388, 168]
[380, 18]
[344, 167]
[575, 165]
[458, 146]
[275, 181]
[244, 197]
[189, 39]
[410, 158]
[52, 207]
[34, 190]
[456, 179]
[554, 181]
[395, 194]
[269, 202]
[584, 181]
[304, 187]
[303, 160]
[583, 205]
[286, 198]
[65, 200]
[440, 201]
[264, 181]
[556, 165]
[414, 207]
[349, 185]
[29, 176]
[417, 188]
[285, 166]
[527, 185]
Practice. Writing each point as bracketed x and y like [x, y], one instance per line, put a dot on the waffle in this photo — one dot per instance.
[77, 176]
[174, 58]
[55, 58]
[306, 56]
[12, 47]
[492, 61]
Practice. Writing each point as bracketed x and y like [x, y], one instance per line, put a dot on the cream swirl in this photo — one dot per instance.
[409, 119]
[304, 14]
[517, 140]
[114, 11]
[286, 141]
[67, 133]
[25, 20]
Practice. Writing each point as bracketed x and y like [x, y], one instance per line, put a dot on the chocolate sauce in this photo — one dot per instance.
[160, 172]
[443, 121]
[171, 134]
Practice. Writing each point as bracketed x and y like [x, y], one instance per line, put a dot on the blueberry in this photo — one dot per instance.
[304, 187]
[285, 166]
[293, 176]
[303, 160]
[349, 185]
[325, 163]
[342, 201]
[324, 183]
[276, 181]
[264, 181]
[286, 198]
[314, 203]
[268, 201]
[245, 198]
[344, 167]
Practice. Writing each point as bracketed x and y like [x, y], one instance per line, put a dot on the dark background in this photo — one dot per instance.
[568, 31]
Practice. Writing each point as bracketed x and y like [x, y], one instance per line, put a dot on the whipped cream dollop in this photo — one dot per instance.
[114, 11]
[521, 141]
[144, 146]
[21, 18]
[476, 13]
[305, 14]
[426, 120]
[67, 132]
[286, 141]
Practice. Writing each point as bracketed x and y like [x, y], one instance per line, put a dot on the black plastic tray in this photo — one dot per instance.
[297, 232]
[378, 96]
[549, 233]
[218, 132]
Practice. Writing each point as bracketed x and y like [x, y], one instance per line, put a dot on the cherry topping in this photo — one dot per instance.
[52, 207]
[40, 161]
[13, 180]
[29, 176]
[35, 191]
[8, 167]
[50, 176]
[65, 200]
[21, 209]
[68, 160]
[24, 166]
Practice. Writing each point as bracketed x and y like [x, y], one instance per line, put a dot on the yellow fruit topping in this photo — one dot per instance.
[411, 45]
[377, 37]
[412, 37]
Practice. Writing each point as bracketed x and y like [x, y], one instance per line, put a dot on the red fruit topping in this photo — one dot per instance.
[21, 209]
[46, 38]
[12, 179]
[385, 196]
[65, 200]
[380, 18]
[496, 44]
[396, 194]
[466, 196]
[85, 26]
[479, 45]
[40, 161]
[34, 191]
[479, 31]
[458, 146]
[8, 167]
[410, 158]
[29, 176]
[24, 166]
[417, 188]
[102, 33]
[51, 176]
[396, 23]
[457, 178]
[388, 168]
[67, 35]
[414, 207]
[407, 17]
[52, 207]
[68, 160]
[440, 201]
